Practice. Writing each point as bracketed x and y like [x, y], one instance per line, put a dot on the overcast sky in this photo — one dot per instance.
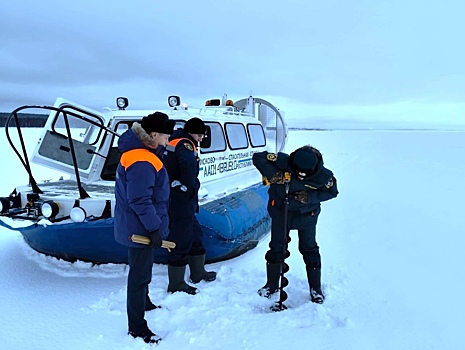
[325, 53]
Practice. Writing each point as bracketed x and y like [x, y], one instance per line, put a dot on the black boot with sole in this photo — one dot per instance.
[314, 281]
[273, 272]
[198, 272]
[176, 280]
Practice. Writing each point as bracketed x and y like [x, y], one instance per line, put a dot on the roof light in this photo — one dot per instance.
[77, 214]
[213, 102]
[49, 209]
[174, 101]
[122, 103]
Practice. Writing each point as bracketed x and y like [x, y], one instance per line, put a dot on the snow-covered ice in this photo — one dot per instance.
[392, 252]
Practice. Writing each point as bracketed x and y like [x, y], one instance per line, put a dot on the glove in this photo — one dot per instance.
[155, 239]
[300, 196]
[277, 178]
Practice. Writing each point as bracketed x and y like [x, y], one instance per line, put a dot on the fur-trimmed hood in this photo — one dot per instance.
[146, 139]
[134, 138]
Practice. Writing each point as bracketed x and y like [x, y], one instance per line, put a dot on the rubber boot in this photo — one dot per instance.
[197, 267]
[273, 272]
[176, 280]
[314, 282]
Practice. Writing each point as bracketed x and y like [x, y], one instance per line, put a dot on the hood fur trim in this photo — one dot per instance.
[146, 139]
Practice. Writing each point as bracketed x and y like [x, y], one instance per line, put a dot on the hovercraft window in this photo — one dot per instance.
[256, 135]
[214, 140]
[236, 136]
[84, 126]
[112, 161]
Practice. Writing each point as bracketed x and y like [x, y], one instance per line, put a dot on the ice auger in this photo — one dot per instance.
[279, 306]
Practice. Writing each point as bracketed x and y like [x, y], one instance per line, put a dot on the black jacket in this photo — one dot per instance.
[182, 163]
[319, 187]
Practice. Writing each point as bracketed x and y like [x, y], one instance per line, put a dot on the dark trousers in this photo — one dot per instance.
[306, 226]
[139, 278]
[187, 233]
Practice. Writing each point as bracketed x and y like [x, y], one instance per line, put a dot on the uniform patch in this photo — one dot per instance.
[189, 146]
[272, 157]
[330, 183]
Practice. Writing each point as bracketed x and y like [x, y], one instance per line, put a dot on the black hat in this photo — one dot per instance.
[158, 122]
[195, 126]
[303, 161]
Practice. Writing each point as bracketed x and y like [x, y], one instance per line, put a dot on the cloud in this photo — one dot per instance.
[328, 52]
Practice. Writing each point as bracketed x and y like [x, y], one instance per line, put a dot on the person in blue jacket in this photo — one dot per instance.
[308, 183]
[142, 195]
[182, 163]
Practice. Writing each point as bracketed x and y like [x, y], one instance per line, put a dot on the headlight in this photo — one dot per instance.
[77, 214]
[49, 209]
[174, 101]
[122, 102]
[4, 205]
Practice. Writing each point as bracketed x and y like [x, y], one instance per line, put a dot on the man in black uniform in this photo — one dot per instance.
[182, 162]
[309, 183]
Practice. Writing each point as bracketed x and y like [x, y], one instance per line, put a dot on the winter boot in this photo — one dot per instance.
[148, 336]
[197, 267]
[273, 272]
[176, 280]
[314, 281]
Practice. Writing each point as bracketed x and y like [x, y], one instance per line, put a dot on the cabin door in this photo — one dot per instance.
[72, 138]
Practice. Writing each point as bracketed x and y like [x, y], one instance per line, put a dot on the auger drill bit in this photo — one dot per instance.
[279, 306]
